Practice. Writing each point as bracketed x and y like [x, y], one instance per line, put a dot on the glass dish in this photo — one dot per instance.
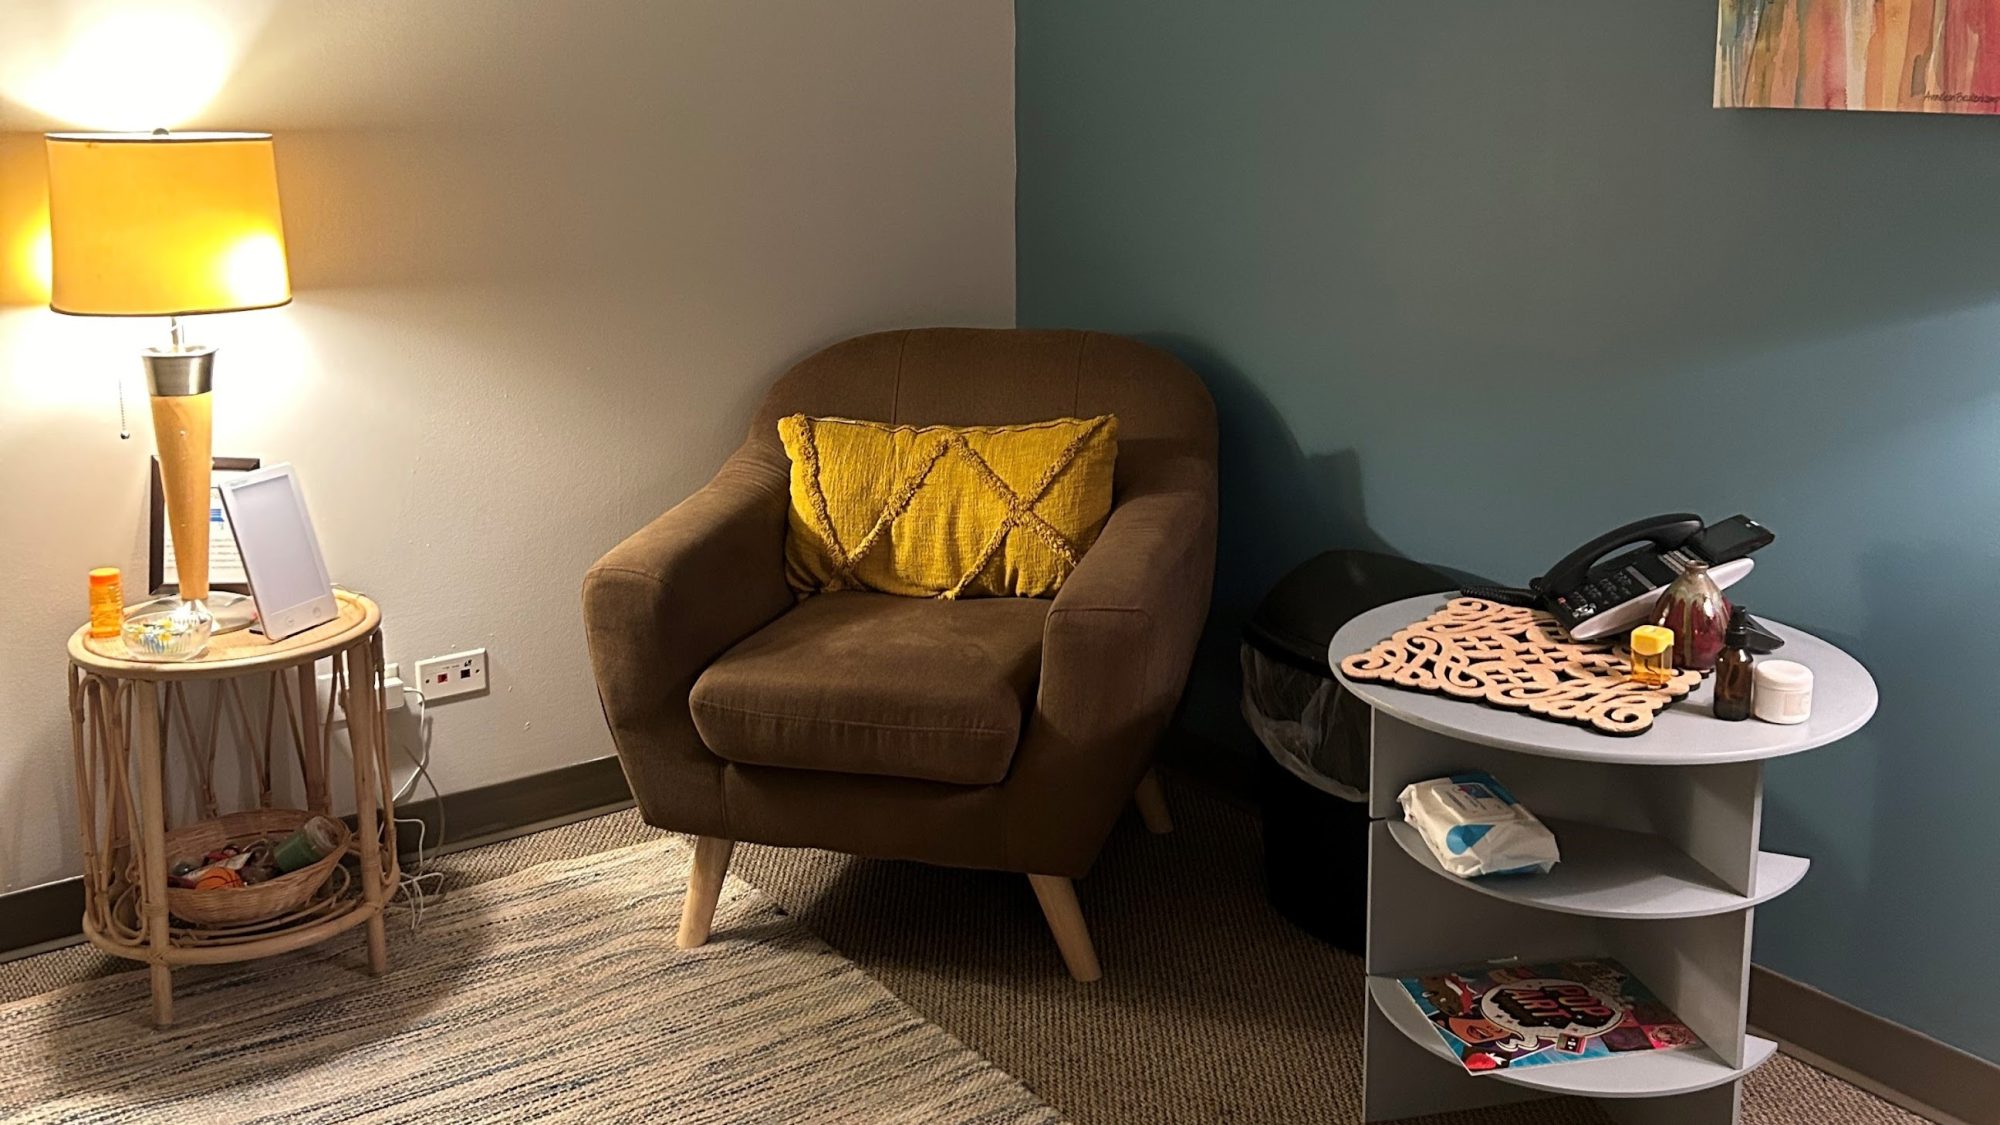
[180, 633]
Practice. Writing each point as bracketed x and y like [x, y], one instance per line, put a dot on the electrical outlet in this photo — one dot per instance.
[461, 673]
[392, 693]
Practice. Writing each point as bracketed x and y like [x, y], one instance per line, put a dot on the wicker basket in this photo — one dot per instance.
[238, 906]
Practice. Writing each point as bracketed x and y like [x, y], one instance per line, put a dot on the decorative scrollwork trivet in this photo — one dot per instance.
[1519, 659]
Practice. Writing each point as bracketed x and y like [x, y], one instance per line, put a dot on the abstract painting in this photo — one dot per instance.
[1914, 56]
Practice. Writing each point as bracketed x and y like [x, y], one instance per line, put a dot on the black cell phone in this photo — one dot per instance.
[1730, 540]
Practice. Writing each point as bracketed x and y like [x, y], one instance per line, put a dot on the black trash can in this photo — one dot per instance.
[1313, 775]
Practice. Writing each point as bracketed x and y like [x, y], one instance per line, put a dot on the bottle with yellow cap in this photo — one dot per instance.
[1652, 655]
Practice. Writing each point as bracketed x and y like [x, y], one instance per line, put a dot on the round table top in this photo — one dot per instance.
[232, 654]
[1685, 733]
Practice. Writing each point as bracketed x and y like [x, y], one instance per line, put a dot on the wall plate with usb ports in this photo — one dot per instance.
[461, 673]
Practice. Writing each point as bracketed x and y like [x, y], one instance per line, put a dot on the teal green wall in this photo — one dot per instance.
[1473, 280]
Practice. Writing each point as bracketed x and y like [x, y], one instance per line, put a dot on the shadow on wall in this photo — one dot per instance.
[1279, 506]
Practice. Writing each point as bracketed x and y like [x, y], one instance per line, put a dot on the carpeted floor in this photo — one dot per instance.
[1212, 1008]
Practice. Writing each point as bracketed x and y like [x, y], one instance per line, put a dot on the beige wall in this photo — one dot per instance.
[546, 255]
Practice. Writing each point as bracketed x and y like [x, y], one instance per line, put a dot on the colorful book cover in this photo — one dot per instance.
[1512, 1016]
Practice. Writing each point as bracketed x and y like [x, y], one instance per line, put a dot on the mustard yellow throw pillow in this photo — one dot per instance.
[944, 511]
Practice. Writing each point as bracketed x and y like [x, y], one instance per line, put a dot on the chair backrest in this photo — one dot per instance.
[1000, 376]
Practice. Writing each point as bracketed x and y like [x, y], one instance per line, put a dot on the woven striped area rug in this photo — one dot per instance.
[554, 994]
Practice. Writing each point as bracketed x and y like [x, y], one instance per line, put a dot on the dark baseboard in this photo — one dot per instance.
[1905, 1066]
[477, 815]
[40, 915]
[48, 914]
[1227, 773]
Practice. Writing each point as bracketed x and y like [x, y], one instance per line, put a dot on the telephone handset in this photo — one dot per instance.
[1595, 592]
[1665, 533]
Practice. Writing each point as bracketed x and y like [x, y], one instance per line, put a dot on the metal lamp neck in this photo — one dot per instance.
[177, 369]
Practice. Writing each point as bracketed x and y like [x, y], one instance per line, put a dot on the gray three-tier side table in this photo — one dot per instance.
[1660, 869]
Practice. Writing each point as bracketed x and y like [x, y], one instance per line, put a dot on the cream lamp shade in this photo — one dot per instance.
[159, 224]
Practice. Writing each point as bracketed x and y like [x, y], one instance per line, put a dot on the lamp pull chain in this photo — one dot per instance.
[124, 430]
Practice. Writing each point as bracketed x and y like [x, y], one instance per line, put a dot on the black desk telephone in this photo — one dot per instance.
[1595, 596]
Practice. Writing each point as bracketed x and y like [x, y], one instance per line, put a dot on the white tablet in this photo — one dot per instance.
[288, 576]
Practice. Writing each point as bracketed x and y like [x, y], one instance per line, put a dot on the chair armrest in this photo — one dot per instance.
[661, 606]
[1138, 563]
[1115, 657]
[1131, 612]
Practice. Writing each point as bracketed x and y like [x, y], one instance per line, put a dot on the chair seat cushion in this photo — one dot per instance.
[867, 683]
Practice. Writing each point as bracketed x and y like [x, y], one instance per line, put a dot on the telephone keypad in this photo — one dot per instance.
[1609, 590]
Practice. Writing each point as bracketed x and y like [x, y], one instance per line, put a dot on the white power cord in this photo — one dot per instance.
[414, 697]
[412, 888]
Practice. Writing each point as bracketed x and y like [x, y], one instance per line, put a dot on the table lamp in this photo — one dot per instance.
[171, 224]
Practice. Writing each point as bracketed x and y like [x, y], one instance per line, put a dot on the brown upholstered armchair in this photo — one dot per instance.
[1001, 733]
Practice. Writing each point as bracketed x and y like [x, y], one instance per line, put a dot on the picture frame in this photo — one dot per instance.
[281, 554]
[1878, 55]
[225, 563]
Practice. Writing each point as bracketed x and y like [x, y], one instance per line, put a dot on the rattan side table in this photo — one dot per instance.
[127, 715]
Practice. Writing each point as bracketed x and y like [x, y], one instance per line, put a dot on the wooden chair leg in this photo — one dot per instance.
[1151, 797]
[1058, 898]
[711, 863]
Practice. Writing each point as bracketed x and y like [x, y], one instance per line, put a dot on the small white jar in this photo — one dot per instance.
[1781, 691]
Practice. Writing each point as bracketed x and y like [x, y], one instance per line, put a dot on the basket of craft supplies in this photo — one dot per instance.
[250, 867]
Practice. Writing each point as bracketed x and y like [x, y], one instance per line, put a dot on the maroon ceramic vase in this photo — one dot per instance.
[1694, 608]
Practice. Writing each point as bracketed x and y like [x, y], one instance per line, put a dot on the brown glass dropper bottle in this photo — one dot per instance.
[1732, 669]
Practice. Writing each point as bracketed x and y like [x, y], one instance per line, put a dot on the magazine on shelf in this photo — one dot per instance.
[1505, 1017]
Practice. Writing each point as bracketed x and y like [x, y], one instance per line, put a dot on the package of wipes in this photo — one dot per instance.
[1475, 827]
